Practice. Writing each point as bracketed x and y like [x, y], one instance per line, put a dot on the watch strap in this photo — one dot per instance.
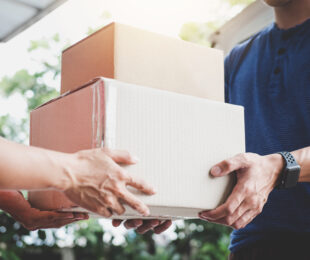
[290, 173]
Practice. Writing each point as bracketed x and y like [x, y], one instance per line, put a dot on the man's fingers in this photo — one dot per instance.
[228, 208]
[116, 222]
[229, 165]
[163, 227]
[230, 220]
[148, 225]
[121, 157]
[140, 185]
[245, 219]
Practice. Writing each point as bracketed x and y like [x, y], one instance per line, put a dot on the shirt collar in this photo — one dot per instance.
[287, 33]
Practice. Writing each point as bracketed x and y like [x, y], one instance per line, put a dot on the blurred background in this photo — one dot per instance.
[30, 75]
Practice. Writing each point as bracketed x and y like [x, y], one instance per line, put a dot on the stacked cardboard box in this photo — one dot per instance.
[177, 137]
[140, 57]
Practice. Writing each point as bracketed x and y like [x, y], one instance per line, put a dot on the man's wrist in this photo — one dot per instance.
[277, 164]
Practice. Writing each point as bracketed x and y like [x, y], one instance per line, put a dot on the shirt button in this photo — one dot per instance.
[281, 51]
[277, 70]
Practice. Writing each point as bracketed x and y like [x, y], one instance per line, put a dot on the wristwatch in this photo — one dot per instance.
[290, 173]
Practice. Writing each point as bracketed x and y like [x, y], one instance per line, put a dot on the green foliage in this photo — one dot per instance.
[34, 45]
[29, 86]
[197, 32]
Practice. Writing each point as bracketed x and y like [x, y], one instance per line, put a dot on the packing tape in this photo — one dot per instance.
[104, 114]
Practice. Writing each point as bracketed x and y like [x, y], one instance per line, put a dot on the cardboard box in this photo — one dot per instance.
[140, 57]
[178, 139]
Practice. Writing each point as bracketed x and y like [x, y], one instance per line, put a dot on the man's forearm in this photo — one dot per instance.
[302, 156]
[29, 168]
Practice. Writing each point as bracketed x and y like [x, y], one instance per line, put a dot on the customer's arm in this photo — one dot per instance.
[257, 176]
[14, 203]
[91, 178]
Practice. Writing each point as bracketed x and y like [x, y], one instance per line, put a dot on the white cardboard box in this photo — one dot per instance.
[178, 139]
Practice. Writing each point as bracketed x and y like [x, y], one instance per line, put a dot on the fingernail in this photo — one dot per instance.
[154, 224]
[137, 222]
[204, 218]
[204, 214]
[70, 216]
[216, 170]
[146, 212]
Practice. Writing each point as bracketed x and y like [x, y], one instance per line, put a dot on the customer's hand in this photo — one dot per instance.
[99, 184]
[143, 226]
[256, 177]
[19, 208]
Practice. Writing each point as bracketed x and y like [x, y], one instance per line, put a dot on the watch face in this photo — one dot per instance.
[292, 176]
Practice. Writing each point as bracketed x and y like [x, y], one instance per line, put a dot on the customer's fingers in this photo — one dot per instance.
[133, 202]
[58, 224]
[162, 227]
[96, 205]
[80, 216]
[148, 225]
[133, 223]
[53, 216]
[140, 185]
[114, 205]
[121, 157]
[116, 222]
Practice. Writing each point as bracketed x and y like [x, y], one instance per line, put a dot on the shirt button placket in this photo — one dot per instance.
[279, 56]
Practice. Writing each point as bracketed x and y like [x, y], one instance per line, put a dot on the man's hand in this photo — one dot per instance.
[15, 204]
[143, 226]
[256, 177]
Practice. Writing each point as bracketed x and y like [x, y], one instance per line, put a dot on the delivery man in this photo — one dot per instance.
[92, 179]
[269, 75]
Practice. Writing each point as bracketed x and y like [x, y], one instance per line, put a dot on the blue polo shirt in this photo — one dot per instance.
[269, 75]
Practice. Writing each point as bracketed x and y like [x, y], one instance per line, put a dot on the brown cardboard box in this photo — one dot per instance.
[140, 57]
